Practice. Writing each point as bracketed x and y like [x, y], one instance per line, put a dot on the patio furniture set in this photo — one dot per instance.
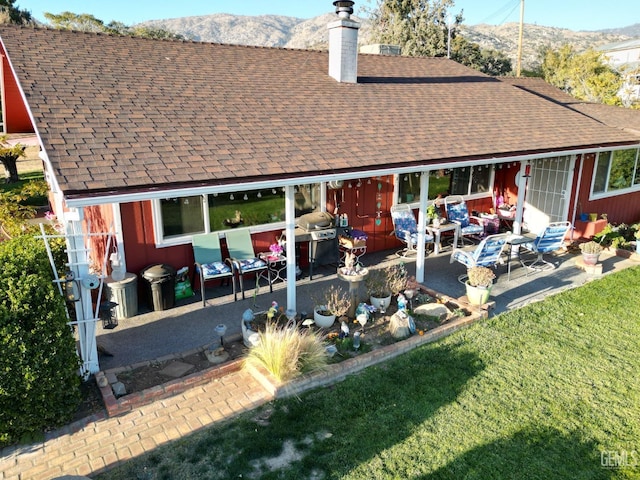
[486, 248]
[482, 249]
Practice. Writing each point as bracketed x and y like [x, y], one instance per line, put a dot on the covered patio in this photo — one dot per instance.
[188, 326]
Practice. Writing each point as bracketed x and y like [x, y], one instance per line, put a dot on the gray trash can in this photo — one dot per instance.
[161, 286]
[125, 293]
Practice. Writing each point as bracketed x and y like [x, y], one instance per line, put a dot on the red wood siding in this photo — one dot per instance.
[358, 203]
[16, 116]
[619, 208]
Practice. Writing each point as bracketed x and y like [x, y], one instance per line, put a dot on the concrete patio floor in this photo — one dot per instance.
[154, 334]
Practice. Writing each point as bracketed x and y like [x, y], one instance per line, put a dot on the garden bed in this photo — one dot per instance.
[149, 382]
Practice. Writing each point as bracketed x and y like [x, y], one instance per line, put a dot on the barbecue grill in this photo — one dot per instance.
[318, 229]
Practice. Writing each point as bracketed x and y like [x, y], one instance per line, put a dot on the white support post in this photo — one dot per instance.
[422, 226]
[290, 225]
[522, 186]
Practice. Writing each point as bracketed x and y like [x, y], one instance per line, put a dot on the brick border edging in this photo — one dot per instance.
[117, 406]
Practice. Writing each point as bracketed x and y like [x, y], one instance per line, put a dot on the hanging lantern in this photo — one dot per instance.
[106, 314]
[231, 197]
[71, 291]
[246, 197]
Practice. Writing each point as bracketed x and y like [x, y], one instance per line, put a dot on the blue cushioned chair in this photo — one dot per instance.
[550, 240]
[405, 229]
[243, 258]
[209, 264]
[457, 212]
[486, 254]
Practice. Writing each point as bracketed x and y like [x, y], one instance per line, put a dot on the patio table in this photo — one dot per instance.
[437, 231]
[515, 240]
[276, 266]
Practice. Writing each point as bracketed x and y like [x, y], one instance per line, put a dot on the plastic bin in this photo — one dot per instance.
[125, 293]
[161, 283]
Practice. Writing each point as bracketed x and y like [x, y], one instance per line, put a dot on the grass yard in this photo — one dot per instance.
[547, 391]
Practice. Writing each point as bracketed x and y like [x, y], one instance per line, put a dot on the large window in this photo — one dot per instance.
[184, 216]
[455, 181]
[616, 172]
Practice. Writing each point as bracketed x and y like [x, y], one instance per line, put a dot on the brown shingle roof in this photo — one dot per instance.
[624, 118]
[130, 113]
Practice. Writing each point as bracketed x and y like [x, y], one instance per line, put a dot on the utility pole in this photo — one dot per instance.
[520, 35]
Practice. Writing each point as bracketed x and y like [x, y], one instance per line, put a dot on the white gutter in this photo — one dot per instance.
[108, 198]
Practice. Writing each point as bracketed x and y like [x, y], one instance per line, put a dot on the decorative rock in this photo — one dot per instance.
[119, 389]
[400, 325]
[217, 356]
[436, 310]
[102, 381]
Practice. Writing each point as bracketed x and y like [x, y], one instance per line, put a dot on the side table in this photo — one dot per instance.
[516, 241]
[437, 231]
[356, 251]
[276, 266]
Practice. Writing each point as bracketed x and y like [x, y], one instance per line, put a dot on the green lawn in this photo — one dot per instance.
[547, 391]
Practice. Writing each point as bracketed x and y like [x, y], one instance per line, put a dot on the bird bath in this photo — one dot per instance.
[354, 278]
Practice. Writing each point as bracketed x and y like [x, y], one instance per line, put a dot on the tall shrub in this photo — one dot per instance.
[39, 382]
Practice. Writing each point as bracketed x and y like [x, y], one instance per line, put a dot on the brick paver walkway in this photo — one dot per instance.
[90, 447]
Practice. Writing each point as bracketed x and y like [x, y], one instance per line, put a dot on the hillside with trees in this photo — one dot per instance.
[290, 32]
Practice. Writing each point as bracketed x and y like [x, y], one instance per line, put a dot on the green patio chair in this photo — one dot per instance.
[209, 264]
[243, 258]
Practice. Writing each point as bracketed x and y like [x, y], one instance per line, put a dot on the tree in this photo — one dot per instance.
[423, 28]
[419, 27]
[585, 76]
[487, 61]
[11, 14]
[9, 157]
[85, 22]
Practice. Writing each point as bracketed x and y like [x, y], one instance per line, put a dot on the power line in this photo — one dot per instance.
[508, 7]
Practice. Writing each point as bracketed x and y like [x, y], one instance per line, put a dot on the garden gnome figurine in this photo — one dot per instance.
[344, 330]
[402, 302]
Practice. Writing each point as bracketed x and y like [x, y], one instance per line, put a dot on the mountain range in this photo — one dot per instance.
[291, 32]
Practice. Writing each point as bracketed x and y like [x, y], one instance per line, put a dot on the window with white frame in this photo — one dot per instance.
[181, 217]
[616, 171]
[447, 181]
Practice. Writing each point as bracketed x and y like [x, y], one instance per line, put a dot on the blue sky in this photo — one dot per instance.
[572, 14]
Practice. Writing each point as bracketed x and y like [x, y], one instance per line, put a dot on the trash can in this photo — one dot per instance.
[161, 284]
[125, 293]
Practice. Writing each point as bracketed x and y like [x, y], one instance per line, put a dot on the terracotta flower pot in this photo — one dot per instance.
[590, 258]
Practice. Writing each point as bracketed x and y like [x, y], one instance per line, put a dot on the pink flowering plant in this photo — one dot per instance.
[276, 249]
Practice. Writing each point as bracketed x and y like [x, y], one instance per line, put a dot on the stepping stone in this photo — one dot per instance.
[176, 369]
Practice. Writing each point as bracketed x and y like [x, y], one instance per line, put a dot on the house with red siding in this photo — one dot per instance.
[154, 141]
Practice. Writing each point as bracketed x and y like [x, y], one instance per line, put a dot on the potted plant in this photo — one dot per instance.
[636, 235]
[590, 252]
[478, 284]
[334, 302]
[382, 283]
[376, 285]
[432, 212]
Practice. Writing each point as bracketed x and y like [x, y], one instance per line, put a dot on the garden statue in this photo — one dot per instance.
[402, 302]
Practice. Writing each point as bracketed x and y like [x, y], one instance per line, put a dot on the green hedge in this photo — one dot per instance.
[39, 382]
